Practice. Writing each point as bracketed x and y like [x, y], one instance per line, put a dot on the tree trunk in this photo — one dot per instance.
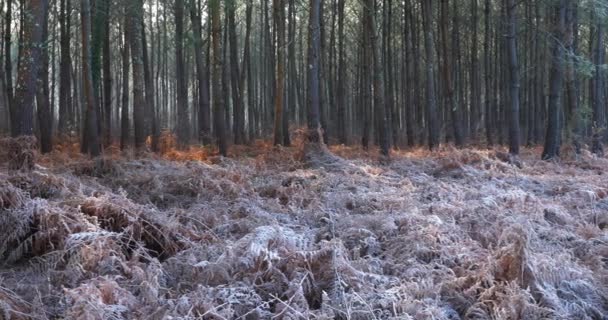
[342, 80]
[183, 123]
[237, 98]
[107, 76]
[573, 83]
[475, 74]
[137, 55]
[314, 48]
[551, 149]
[204, 124]
[597, 84]
[124, 113]
[65, 86]
[514, 78]
[218, 99]
[378, 76]
[447, 76]
[432, 121]
[279, 21]
[30, 57]
[8, 68]
[45, 117]
[149, 96]
[247, 72]
[92, 132]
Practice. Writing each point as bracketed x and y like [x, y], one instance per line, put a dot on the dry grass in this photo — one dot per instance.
[287, 233]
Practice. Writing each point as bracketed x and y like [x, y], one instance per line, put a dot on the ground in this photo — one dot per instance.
[272, 233]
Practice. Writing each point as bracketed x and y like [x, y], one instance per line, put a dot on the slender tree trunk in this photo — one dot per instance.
[124, 113]
[410, 107]
[279, 21]
[218, 99]
[514, 78]
[378, 81]
[149, 96]
[183, 126]
[342, 80]
[475, 74]
[107, 76]
[65, 87]
[551, 149]
[204, 122]
[573, 83]
[432, 121]
[30, 57]
[136, 46]
[8, 68]
[447, 76]
[597, 84]
[247, 72]
[390, 108]
[92, 131]
[45, 117]
[314, 87]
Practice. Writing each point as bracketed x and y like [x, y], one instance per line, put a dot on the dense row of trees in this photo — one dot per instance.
[394, 73]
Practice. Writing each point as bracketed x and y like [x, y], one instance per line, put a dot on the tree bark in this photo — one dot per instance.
[107, 76]
[447, 76]
[124, 113]
[432, 120]
[45, 117]
[30, 57]
[136, 47]
[597, 84]
[204, 123]
[314, 48]
[218, 99]
[92, 132]
[551, 149]
[378, 82]
[183, 123]
[514, 78]
[279, 21]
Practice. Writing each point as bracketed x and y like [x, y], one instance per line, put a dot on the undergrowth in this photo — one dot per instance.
[276, 234]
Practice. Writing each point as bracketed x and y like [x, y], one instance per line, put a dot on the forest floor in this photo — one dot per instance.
[453, 234]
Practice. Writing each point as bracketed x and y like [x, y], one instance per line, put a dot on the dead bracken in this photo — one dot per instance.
[451, 234]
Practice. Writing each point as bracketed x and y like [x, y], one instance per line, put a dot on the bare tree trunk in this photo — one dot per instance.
[204, 123]
[342, 80]
[218, 99]
[25, 92]
[551, 149]
[136, 45]
[45, 117]
[92, 132]
[432, 121]
[107, 76]
[247, 72]
[514, 78]
[279, 20]
[378, 79]
[314, 48]
[8, 68]
[183, 126]
[149, 96]
[237, 98]
[447, 76]
[597, 84]
[573, 83]
[124, 113]
[65, 88]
